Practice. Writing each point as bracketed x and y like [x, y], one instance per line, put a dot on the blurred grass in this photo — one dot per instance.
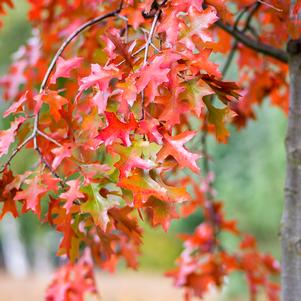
[159, 249]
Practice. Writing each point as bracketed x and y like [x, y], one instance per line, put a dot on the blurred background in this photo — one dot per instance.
[249, 179]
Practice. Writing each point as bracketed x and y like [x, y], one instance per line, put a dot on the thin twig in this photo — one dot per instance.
[147, 45]
[150, 36]
[48, 138]
[132, 55]
[235, 44]
[17, 149]
[155, 47]
[69, 40]
[258, 46]
[126, 30]
[44, 161]
[270, 5]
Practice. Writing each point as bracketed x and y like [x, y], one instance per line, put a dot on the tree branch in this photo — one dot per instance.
[246, 27]
[69, 40]
[253, 44]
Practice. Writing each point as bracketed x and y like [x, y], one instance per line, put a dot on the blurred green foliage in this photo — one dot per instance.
[15, 32]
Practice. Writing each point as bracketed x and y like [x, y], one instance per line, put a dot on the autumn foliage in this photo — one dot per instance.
[109, 120]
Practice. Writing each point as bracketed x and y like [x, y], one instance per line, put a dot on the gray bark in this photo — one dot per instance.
[291, 219]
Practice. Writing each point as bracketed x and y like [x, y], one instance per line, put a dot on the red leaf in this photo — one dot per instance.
[174, 147]
[7, 195]
[143, 187]
[16, 105]
[32, 195]
[64, 68]
[122, 49]
[161, 213]
[61, 153]
[117, 129]
[100, 77]
[72, 194]
[54, 100]
[200, 21]
[7, 137]
[155, 73]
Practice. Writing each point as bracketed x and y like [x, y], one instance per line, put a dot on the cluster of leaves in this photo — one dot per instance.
[205, 262]
[110, 124]
[73, 281]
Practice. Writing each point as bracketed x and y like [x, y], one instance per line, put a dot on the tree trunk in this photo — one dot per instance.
[291, 219]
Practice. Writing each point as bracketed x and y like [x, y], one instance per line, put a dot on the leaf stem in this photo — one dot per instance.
[147, 45]
[48, 138]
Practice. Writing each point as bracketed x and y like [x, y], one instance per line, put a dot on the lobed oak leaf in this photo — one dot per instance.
[68, 225]
[226, 91]
[126, 223]
[200, 61]
[94, 170]
[64, 68]
[61, 152]
[99, 77]
[152, 73]
[32, 195]
[122, 49]
[155, 73]
[131, 157]
[173, 107]
[7, 137]
[134, 15]
[195, 91]
[216, 117]
[127, 94]
[151, 128]
[174, 146]
[169, 25]
[72, 194]
[198, 200]
[54, 100]
[143, 187]
[161, 213]
[16, 105]
[7, 194]
[117, 129]
[200, 21]
[97, 205]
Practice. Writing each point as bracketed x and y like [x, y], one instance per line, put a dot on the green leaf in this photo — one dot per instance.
[97, 205]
